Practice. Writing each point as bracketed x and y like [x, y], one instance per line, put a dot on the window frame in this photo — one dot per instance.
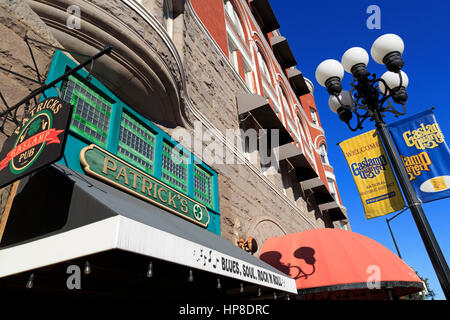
[314, 118]
[232, 14]
[324, 155]
[76, 142]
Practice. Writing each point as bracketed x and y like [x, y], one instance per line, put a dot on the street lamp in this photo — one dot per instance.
[371, 97]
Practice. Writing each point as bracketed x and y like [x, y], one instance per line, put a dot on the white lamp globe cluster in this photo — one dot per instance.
[386, 49]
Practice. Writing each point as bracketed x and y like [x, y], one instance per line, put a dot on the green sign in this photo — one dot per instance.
[105, 166]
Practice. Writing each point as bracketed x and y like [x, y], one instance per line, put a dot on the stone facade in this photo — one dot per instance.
[17, 20]
[252, 202]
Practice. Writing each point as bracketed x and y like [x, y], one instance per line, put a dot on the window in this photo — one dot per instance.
[101, 118]
[168, 16]
[232, 14]
[284, 101]
[300, 125]
[203, 185]
[332, 189]
[174, 167]
[343, 225]
[314, 116]
[263, 67]
[292, 128]
[92, 110]
[248, 76]
[323, 153]
[136, 143]
[233, 55]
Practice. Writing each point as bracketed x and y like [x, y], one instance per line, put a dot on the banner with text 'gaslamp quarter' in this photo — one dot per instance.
[373, 175]
[425, 154]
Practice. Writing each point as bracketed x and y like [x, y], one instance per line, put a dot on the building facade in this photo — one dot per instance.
[205, 96]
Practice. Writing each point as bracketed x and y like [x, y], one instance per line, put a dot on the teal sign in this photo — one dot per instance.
[105, 166]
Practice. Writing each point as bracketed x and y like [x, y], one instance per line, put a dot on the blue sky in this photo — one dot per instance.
[323, 29]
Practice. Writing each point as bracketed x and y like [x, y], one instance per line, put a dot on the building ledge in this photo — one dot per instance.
[335, 211]
[267, 19]
[259, 107]
[283, 52]
[297, 81]
[291, 153]
[318, 189]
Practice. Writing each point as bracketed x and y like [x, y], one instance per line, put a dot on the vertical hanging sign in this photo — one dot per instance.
[373, 175]
[425, 155]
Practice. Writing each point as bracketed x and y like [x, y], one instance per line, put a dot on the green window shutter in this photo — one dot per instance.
[203, 186]
[136, 143]
[174, 167]
[91, 114]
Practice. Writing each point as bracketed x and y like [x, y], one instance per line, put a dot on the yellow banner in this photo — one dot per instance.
[373, 174]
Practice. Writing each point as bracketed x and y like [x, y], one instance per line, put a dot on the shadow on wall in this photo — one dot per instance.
[304, 269]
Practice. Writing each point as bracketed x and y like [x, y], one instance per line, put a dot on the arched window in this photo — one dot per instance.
[300, 125]
[284, 100]
[332, 187]
[233, 55]
[323, 153]
[232, 14]
[314, 115]
[263, 66]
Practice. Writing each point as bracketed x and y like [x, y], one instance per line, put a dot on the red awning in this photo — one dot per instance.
[339, 264]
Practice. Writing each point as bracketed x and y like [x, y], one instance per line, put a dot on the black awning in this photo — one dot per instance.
[283, 52]
[291, 153]
[98, 218]
[334, 210]
[318, 189]
[297, 81]
[263, 113]
[265, 16]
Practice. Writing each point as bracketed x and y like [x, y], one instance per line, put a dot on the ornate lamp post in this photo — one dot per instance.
[371, 97]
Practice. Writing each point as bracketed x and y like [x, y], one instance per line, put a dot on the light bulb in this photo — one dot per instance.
[150, 270]
[242, 288]
[259, 292]
[354, 56]
[344, 97]
[327, 69]
[30, 282]
[218, 284]
[87, 268]
[392, 80]
[386, 44]
[191, 276]
[274, 295]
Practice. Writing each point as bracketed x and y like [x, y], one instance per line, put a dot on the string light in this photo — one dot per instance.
[218, 284]
[150, 270]
[87, 268]
[30, 281]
